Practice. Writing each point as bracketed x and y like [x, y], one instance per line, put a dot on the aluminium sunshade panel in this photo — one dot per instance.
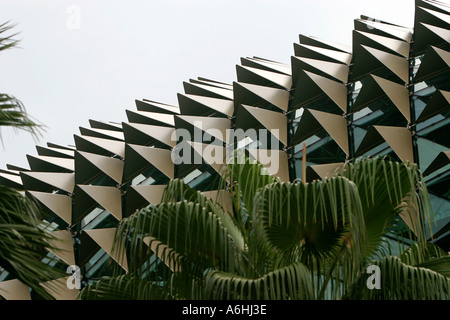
[260, 96]
[141, 158]
[435, 64]
[310, 87]
[140, 196]
[55, 152]
[322, 171]
[267, 65]
[313, 52]
[376, 88]
[156, 107]
[398, 138]
[112, 126]
[439, 103]
[90, 167]
[263, 77]
[441, 160]
[272, 125]
[88, 197]
[203, 129]
[149, 135]
[205, 106]
[313, 121]
[332, 70]
[108, 155]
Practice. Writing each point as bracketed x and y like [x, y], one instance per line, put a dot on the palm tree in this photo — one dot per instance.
[283, 240]
[23, 238]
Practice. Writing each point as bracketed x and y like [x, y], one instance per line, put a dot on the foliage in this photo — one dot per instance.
[283, 240]
[23, 238]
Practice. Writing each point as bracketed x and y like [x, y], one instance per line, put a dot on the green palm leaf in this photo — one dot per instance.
[388, 189]
[400, 281]
[23, 242]
[291, 282]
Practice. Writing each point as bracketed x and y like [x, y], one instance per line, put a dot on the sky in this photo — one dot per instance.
[90, 59]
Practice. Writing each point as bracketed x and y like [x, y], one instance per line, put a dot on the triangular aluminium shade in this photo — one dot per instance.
[428, 34]
[157, 107]
[433, 17]
[89, 166]
[376, 88]
[311, 86]
[59, 204]
[14, 290]
[216, 127]
[211, 83]
[331, 70]
[313, 121]
[322, 171]
[151, 118]
[257, 118]
[11, 180]
[435, 62]
[267, 65]
[207, 91]
[438, 6]
[60, 146]
[105, 147]
[50, 164]
[140, 196]
[107, 197]
[152, 193]
[390, 45]
[279, 167]
[398, 138]
[111, 126]
[370, 60]
[59, 290]
[205, 106]
[55, 152]
[313, 41]
[441, 160]
[313, 52]
[148, 135]
[259, 96]
[105, 239]
[47, 181]
[383, 29]
[102, 133]
[438, 103]
[263, 77]
[140, 157]
[62, 247]
[212, 155]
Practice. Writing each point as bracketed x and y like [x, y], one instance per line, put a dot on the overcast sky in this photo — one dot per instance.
[89, 59]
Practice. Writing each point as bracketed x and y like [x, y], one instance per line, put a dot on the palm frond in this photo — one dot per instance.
[22, 241]
[388, 189]
[7, 41]
[246, 177]
[291, 282]
[14, 115]
[188, 229]
[125, 287]
[400, 281]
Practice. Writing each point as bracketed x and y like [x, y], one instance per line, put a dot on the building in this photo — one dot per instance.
[387, 95]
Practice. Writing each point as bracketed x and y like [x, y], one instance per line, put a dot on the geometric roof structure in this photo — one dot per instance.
[388, 94]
